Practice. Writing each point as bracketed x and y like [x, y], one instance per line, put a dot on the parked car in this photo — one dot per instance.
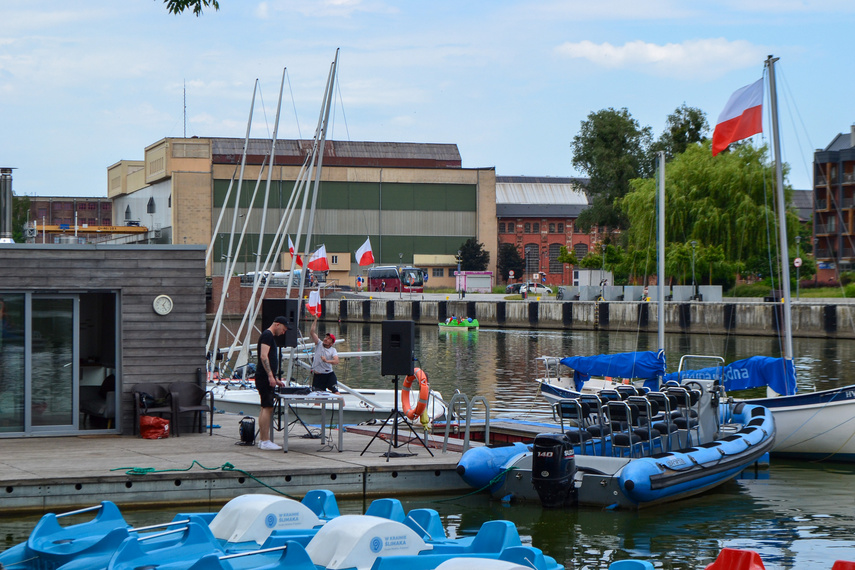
[535, 289]
[513, 288]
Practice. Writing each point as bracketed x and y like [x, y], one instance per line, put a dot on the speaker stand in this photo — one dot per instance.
[393, 417]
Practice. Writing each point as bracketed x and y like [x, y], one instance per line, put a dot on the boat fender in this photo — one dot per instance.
[424, 393]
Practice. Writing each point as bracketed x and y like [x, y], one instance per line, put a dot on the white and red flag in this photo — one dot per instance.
[291, 249]
[742, 117]
[318, 261]
[313, 305]
[364, 255]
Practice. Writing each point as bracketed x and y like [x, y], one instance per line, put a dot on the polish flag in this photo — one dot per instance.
[742, 117]
[313, 305]
[364, 255]
[291, 249]
[318, 262]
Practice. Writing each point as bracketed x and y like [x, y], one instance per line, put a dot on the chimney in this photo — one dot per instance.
[6, 205]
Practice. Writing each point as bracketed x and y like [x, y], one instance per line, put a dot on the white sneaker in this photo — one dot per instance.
[268, 445]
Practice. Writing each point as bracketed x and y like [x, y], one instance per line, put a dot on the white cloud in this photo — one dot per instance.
[704, 58]
[262, 11]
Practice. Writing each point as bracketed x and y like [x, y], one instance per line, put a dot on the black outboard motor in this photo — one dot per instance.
[553, 469]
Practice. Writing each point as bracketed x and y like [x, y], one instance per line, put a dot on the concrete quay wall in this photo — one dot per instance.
[824, 319]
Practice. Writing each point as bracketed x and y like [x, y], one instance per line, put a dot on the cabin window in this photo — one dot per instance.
[511, 227]
[552, 228]
[560, 228]
[334, 259]
[150, 209]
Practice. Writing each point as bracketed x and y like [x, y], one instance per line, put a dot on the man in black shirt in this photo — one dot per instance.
[266, 381]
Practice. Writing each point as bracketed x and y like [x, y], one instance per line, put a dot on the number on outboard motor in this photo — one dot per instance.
[553, 470]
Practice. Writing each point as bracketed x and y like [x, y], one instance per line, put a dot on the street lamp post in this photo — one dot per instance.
[798, 266]
[401, 281]
[694, 285]
[457, 277]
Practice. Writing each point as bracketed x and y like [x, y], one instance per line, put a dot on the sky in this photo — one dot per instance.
[84, 85]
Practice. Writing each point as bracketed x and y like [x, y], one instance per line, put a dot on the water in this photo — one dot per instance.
[801, 516]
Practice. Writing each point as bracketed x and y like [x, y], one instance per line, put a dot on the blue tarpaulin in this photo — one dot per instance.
[754, 372]
[648, 365]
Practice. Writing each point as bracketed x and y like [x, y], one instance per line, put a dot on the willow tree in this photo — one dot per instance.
[724, 202]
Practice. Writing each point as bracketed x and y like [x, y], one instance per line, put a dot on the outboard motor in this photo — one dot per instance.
[553, 469]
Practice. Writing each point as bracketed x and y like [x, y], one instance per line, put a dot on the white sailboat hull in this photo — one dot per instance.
[356, 410]
[814, 425]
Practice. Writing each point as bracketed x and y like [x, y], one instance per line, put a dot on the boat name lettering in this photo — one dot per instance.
[850, 394]
[288, 517]
[676, 462]
[395, 541]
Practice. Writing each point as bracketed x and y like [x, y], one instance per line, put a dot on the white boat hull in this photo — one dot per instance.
[815, 425]
[356, 410]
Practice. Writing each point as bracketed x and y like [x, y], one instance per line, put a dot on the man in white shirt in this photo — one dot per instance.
[324, 360]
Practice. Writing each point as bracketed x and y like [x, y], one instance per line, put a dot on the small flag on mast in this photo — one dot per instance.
[291, 249]
[318, 261]
[364, 255]
[742, 117]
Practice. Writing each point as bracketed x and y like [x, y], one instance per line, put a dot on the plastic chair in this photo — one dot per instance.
[190, 397]
[160, 395]
[735, 559]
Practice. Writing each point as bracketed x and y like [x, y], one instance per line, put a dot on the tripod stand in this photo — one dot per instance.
[393, 416]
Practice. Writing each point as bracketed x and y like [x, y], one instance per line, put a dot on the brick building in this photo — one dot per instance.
[834, 213]
[537, 215]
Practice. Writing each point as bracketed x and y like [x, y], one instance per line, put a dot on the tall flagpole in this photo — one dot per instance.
[782, 212]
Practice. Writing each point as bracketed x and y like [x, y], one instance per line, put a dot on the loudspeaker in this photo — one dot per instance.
[288, 308]
[397, 351]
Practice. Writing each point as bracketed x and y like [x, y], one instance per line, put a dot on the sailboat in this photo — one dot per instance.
[358, 405]
[814, 425]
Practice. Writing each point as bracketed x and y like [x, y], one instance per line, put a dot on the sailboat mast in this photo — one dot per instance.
[660, 257]
[782, 211]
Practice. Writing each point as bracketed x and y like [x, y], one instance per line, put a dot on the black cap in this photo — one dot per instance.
[282, 321]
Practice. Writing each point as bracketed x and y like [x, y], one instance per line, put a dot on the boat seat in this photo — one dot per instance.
[427, 524]
[687, 423]
[576, 413]
[648, 427]
[391, 509]
[598, 423]
[626, 390]
[664, 421]
[627, 432]
[735, 559]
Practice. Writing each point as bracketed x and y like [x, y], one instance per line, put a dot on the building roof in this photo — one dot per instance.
[341, 153]
[841, 142]
[802, 201]
[538, 190]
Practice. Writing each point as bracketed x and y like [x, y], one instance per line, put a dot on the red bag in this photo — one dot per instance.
[152, 427]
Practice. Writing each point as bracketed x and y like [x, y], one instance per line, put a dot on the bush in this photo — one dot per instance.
[846, 278]
[754, 290]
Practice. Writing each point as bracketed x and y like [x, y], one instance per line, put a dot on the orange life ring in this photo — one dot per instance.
[424, 394]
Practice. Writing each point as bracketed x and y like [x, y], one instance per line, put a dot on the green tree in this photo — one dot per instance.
[20, 216]
[723, 201]
[179, 6]
[612, 149]
[685, 126]
[473, 256]
[510, 260]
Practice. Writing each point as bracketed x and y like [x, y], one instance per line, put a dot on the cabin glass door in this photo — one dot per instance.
[12, 365]
[53, 364]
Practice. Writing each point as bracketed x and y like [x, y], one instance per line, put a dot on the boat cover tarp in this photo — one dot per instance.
[647, 365]
[754, 372]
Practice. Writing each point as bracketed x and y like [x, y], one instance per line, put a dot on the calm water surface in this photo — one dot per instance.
[801, 517]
